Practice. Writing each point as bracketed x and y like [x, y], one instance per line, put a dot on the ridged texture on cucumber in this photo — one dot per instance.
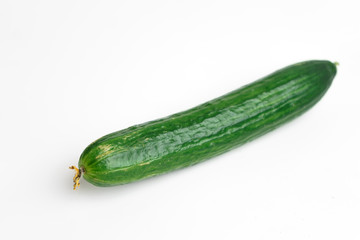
[192, 136]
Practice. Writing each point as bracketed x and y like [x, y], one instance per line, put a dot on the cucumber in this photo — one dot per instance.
[205, 131]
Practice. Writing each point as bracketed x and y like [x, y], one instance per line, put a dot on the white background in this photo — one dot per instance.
[72, 71]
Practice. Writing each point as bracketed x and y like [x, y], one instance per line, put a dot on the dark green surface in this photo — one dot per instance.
[192, 136]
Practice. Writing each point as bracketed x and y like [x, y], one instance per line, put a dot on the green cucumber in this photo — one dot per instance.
[205, 131]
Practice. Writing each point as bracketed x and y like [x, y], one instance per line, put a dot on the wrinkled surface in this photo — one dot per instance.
[192, 136]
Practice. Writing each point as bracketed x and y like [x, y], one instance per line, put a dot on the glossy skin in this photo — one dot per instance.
[205, 131]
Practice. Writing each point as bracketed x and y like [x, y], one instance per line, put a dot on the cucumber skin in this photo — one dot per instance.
[205, 131]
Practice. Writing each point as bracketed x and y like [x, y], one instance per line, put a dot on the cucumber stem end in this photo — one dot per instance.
[77, 177]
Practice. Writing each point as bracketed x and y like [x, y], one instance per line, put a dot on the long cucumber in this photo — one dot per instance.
[205, 131]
